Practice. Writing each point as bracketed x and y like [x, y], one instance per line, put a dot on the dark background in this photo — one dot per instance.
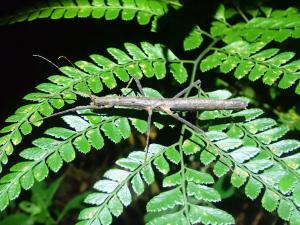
[78, 38]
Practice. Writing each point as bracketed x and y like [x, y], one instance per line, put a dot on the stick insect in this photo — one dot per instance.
[165, 105]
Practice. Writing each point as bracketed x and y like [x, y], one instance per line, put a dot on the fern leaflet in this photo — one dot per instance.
[247, 59]
[149, 60]
[277, 25]
[143, 10]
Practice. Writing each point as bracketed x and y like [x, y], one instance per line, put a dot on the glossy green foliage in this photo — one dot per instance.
[60, 145]
[250, 59]
[244, 145]
[89, 77]
[143, 10]
[193, 40]
[179, 203]
[266, 25]
[263, 162]
[115, 190]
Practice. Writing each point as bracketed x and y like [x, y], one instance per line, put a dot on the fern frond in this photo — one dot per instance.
[249, 59]
[143, 10]
[149, 60]
[278, 25]
[59, 145]
[181, 203]
[113, 192]
[260, 159]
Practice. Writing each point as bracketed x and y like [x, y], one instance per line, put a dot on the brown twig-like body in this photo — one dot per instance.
[174, 104]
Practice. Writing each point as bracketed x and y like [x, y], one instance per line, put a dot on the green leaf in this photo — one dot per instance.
[95, 138]
[287, 182]
[105, 216]
[238, 177]
[220, 169]
[82, 144]
[172, 180]
[27, 180]
[244, 153]
[270, 200]
[253, 188]
[260, 124]
[206, 157]
[193, 40]
[55, 162]
[229, 143]
[212, 61]
[124, 127]
[26, 128]
[190, 147]
[40, 171]
[201, 192]
[33, 153]
[124, 195]
[60, 132]
[67, 152]
[117, 174]
[243, 69]
[179, 217]
[173, 155]
[148, 174]
[96, 198]
[179, 72]
[106, 186]
[165, 200]
[295, 218]
[14, 191]
[119, 55]
[198, 177]
[208, 215]
[258, 165]
[284, 146]
[112, 132]
[76, 122]
[220, 13]
[115, 206]
[296, 195]
[140, 125]
[128, 163]
[88, 213]
[4, 201]
[285, 209]
[137, 184]
[272, 135]
[162, 165]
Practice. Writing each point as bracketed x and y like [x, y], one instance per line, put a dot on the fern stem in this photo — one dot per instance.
[197, 61]
[56, 148]
[274, 157]
[270, 66]
[125, 181]
[241, 13]
[182, 170]
[207, 34]
[244, 168]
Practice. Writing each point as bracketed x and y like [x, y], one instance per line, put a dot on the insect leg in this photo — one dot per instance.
[199, 131]
[196, 84]
[148, 133]
[138, 84]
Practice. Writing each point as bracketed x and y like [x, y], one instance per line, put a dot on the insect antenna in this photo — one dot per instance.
[49, 61]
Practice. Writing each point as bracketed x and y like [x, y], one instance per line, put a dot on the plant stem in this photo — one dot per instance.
[182, 170]
[197, 61]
